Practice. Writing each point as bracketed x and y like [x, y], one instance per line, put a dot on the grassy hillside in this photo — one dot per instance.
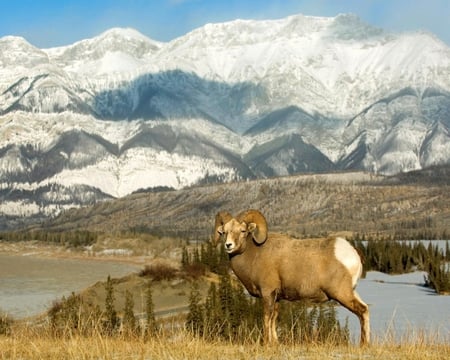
[304, 205]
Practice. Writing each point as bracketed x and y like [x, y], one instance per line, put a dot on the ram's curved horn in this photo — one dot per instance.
[222, 217]
[255, 216]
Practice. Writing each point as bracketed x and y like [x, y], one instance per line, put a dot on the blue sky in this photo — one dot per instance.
[49, 23]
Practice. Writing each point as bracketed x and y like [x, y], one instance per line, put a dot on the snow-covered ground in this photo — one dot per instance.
[401, 308]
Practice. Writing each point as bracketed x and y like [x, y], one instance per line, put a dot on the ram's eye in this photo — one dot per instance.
[243, 231]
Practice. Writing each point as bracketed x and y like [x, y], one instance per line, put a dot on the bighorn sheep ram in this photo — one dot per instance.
[275, 266]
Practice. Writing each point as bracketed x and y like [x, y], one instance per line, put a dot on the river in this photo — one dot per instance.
[29, 284]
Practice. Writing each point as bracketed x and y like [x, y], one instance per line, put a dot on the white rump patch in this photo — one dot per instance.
[349, 257]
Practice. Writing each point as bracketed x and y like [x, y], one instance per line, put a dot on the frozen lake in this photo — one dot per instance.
[401, 308]
[29, 285]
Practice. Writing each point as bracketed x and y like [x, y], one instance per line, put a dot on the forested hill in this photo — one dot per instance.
[416, 205]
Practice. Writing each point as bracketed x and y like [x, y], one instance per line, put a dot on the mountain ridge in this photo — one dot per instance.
[225, 102]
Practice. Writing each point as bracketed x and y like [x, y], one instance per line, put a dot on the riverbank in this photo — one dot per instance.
[39, 249]
[44, 250]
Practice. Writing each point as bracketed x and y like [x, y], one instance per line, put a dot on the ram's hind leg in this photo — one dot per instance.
[354, 303]
[364, 319]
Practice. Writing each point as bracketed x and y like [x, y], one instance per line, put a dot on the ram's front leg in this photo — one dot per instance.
[274, 321]
[271, 307]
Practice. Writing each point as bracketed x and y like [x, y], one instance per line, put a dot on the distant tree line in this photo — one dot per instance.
[76, 238]
[398, 257]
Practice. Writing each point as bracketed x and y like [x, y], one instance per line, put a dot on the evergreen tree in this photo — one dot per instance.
[213, 321]
[438, 271]
[195, 319]
[129, 322]
[226, 304]
[112, 321]
[185, 262]
[149, 310]
[240, 321]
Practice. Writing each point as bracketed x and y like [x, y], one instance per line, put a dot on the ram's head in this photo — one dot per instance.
[236, 230]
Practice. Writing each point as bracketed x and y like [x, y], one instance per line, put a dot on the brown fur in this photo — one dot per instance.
[286, 268]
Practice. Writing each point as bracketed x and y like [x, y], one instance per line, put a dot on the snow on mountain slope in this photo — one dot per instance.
[116, 158]
[114, 51]
[120, 112]
[436, 149]
[126, 174]
[334, 60]
[18, 54]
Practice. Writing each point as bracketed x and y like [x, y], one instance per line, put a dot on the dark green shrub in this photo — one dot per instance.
[72, 315]
[159, 272]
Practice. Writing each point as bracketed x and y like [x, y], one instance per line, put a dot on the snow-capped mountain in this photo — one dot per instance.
[120, 112]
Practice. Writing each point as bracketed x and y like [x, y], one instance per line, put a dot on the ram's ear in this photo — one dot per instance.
[259, 237]
[220, 230]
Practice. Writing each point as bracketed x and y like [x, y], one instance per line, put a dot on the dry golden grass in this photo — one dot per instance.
[32, 343]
